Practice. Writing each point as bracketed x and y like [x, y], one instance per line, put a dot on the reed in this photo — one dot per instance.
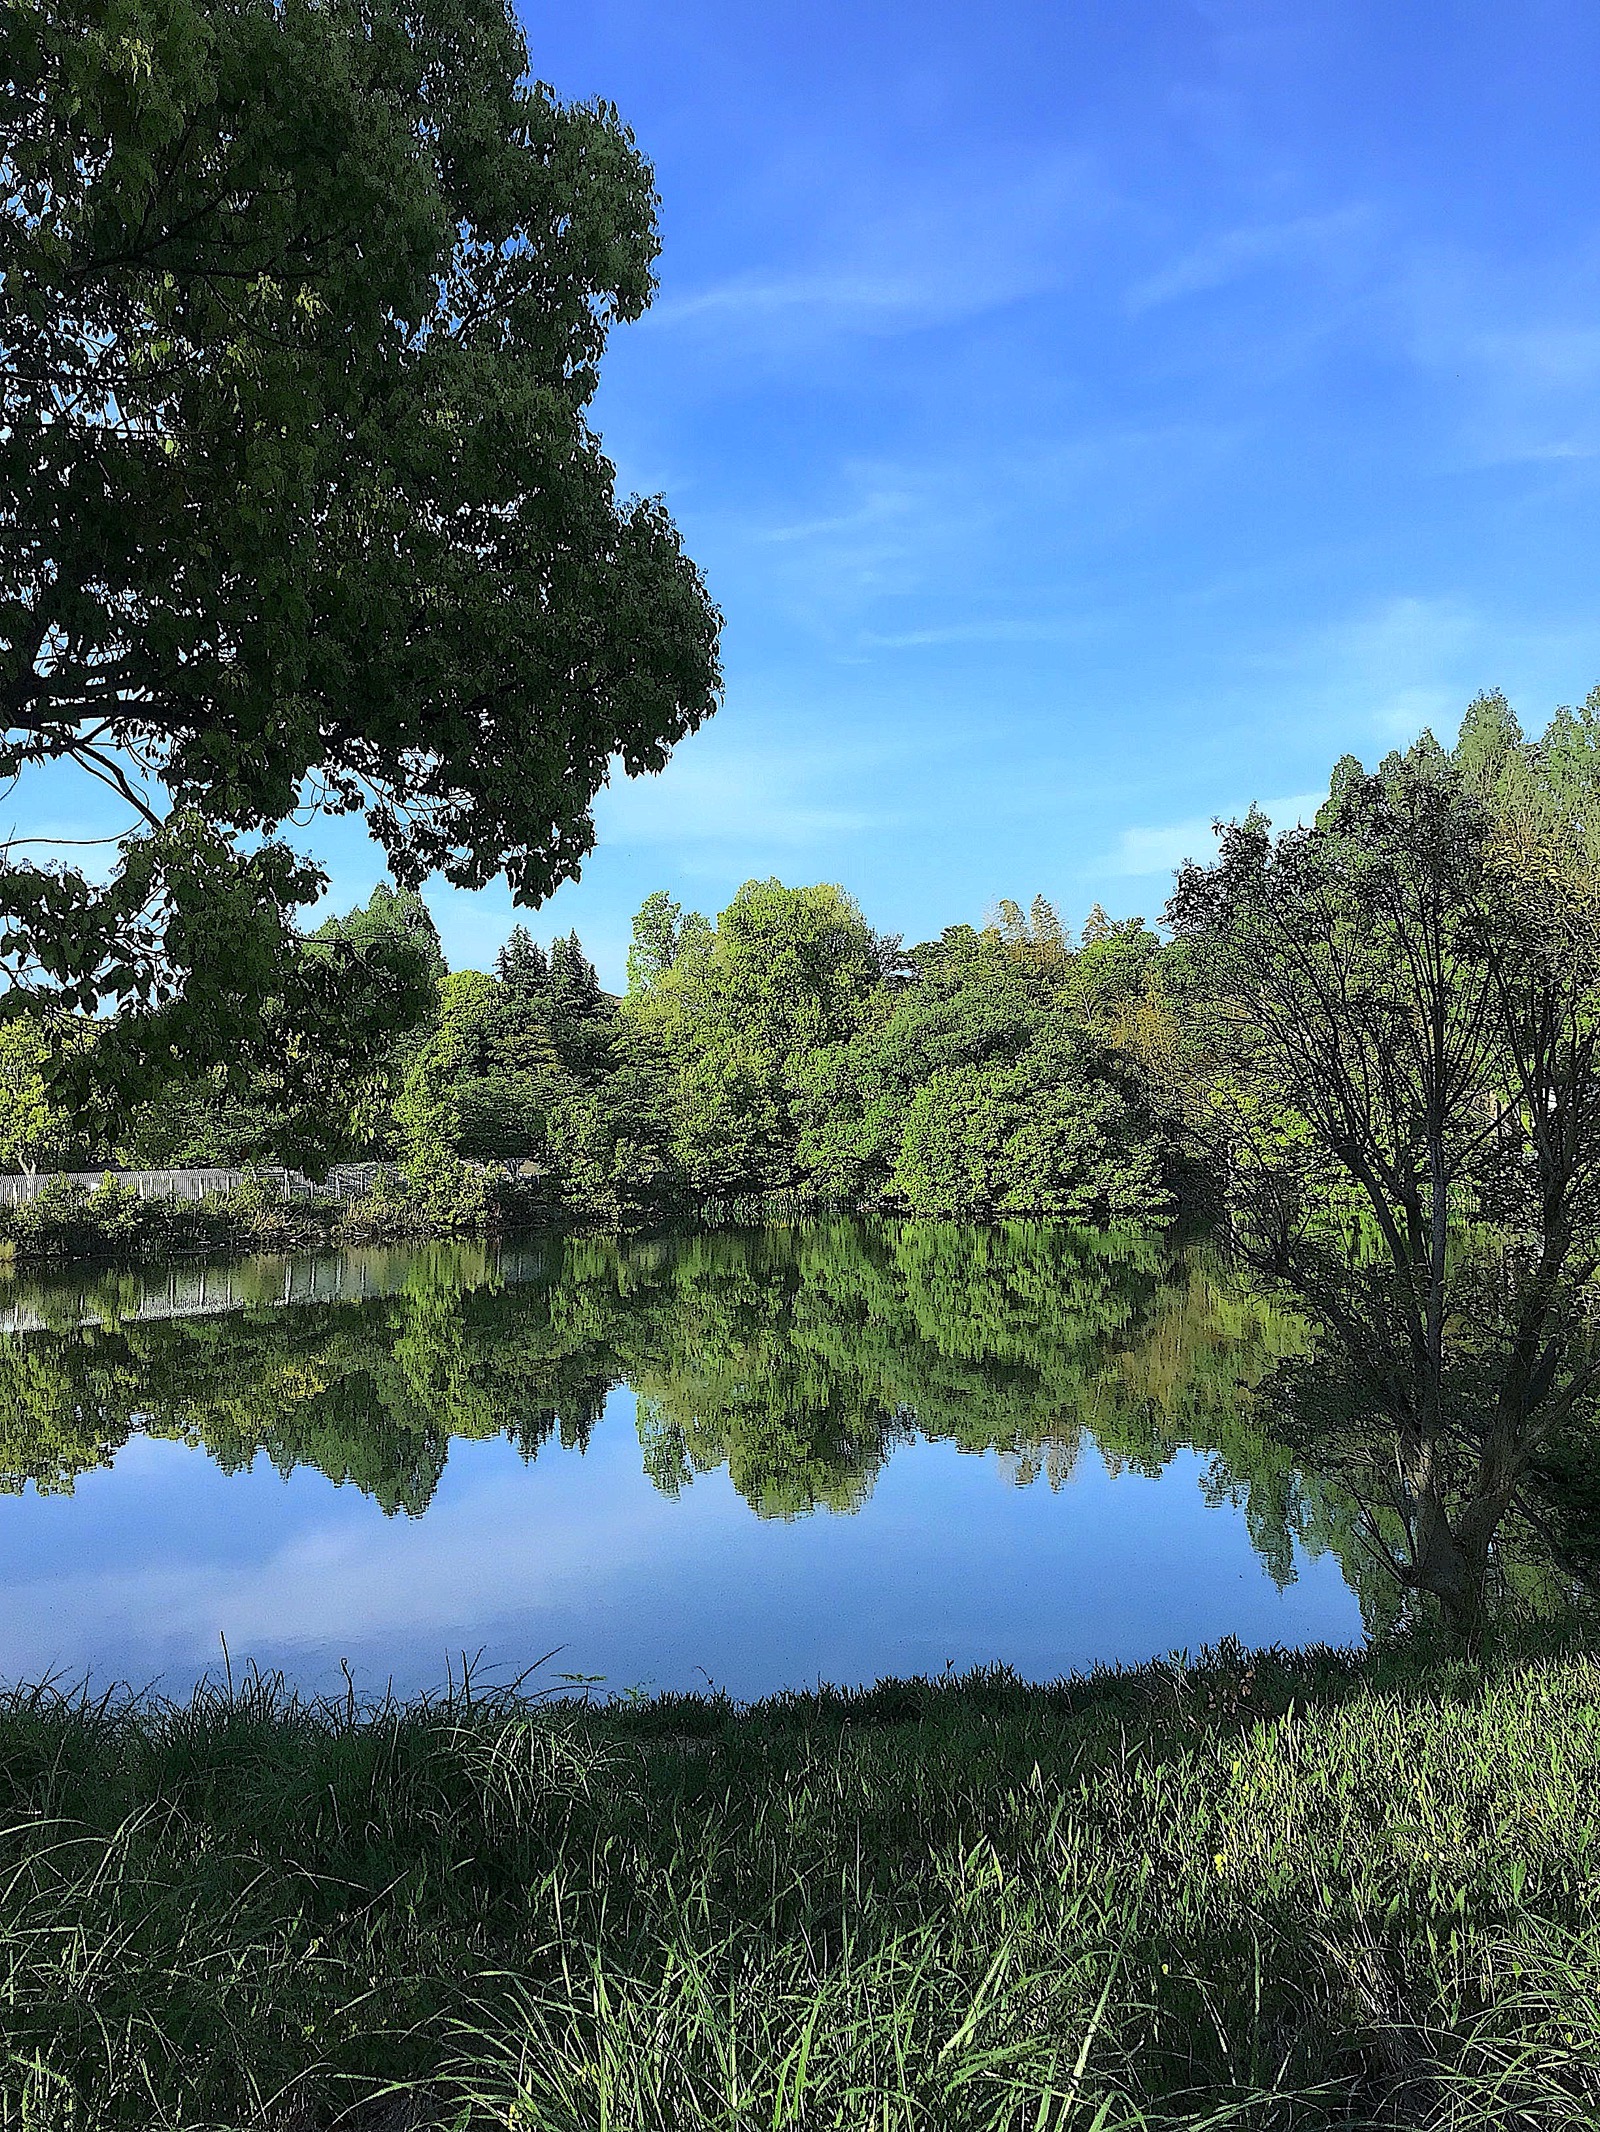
[1313, 1889]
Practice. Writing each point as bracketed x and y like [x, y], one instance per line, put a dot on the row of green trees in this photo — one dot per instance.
[786, 1049]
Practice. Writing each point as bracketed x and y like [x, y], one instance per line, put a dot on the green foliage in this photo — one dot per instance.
[660, 931]
[737, 1008]
[1404, 1014]
[787, 1049]
[1049, 1134]
[315, 1084]
[189, 938]
[484, 1080]
[302, 309]
[36, 1131]
[522, 965]
[508, 1055]
[612, 1142]
[390, 920]
[990, 1083]
[783, 969]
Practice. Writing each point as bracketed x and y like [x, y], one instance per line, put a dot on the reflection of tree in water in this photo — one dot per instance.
[371, 1392]
[1530, 1543]
[797, 1358]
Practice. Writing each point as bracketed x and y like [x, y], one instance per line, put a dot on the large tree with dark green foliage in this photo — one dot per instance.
[302, 304]
[1405, 1047]
[307, 1094]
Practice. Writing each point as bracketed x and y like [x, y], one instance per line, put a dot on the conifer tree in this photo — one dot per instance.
[521, 965]
[574, 981]
[1490, 739]
[1049, 941]
[1012, 925]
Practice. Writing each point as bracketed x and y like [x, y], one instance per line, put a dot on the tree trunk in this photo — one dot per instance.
[1451, 1556]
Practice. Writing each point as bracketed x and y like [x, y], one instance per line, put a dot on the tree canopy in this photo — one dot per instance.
[302, 307]
[1398, 1031]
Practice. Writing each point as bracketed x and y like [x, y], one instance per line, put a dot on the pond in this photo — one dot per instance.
[758, 1459]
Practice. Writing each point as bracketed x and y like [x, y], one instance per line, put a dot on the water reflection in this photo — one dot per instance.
[796, 1358]
[796, 1361]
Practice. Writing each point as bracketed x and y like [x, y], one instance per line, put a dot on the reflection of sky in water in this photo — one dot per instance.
[136, 1574]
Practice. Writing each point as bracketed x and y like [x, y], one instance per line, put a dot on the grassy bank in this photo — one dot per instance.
[1313, 1891]
[69, 1222]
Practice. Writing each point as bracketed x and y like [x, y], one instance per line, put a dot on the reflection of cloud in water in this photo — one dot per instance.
[779, 1373]
[512, 1539]
[949, 1562]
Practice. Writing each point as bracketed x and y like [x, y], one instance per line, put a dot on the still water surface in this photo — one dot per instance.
[760, 1459]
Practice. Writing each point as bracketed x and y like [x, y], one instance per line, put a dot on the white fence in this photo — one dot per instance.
[347, 1180]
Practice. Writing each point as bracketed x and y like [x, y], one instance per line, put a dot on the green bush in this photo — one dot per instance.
[437, 1194]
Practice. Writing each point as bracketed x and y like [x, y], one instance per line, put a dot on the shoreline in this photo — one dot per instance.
[111, 1227]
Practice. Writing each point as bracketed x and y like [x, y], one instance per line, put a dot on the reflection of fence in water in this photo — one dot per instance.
[346, 1180]
[199, 1291]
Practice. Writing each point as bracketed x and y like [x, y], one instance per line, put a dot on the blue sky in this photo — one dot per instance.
[1091, 415]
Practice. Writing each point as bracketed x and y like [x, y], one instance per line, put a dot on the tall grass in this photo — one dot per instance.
[1309, 1890]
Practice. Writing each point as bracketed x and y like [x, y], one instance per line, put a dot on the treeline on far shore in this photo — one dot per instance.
[787, 1053]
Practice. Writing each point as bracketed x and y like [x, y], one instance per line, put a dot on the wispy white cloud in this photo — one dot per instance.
[1146, 850]
[884, 531]
[1229, 255]
[840, 297]
[1509, 349]
[748, 797]
[900, 552]
[1016, 629]
[1405, 663]
[1515, 351]
[932, 248]
[878, 506]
